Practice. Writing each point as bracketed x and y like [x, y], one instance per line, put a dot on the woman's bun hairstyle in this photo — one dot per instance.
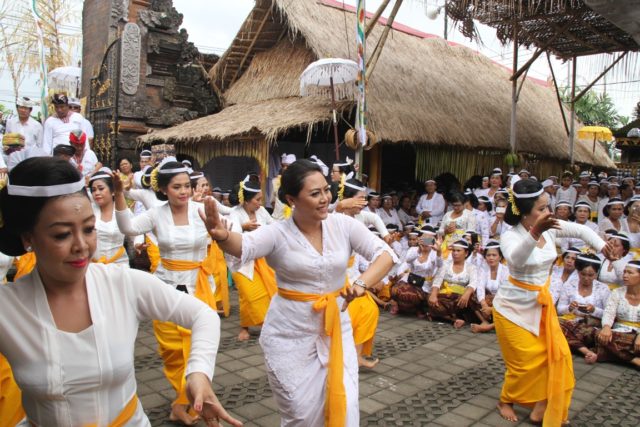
[522, 206]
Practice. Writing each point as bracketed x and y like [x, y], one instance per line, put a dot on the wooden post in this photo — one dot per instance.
[383, 38]
[572, 124]
[376, 16]
[335, 119]
[514, 91]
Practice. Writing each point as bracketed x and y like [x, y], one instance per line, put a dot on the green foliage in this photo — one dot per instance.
[595, 109]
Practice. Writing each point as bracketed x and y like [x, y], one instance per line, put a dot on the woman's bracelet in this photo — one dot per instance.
[225, 239]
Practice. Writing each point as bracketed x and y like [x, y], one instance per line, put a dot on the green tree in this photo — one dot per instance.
[595, 109]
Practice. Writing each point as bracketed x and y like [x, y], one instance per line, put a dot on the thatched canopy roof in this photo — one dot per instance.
[423, 90]
[566, 28]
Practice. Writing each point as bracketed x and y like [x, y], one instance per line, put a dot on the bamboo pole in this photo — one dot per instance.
[376, 16]
[383, 38]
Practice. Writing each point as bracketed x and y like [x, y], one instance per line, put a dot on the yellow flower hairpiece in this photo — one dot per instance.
[154, 179]
[512, 202]
[241, 193]
[343, 180]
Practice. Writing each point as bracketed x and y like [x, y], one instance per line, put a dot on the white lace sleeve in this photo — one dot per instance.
[611, 310]
[437, 282]
[473, 276]
[481, 289]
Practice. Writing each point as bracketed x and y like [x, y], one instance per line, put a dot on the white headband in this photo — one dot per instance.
[174, 170]
[348, 162]
[355, 187]
[572, 251]
[528, 195]
[460, 244]
[250, 190]
[630, 264]
[615, 202]
[99, 176]
[589, 260]
[45, 190]
[197, 176]
[621, 237]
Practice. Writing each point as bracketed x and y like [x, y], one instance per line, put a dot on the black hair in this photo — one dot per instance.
[194, 177]
[484, 254]
[626, 245]
[525, 206]
[247, 195]
[292, 179]
[474, 238]
[487, 203]
[581, 264]
[20, 213]
[471, 198]
[107, 180]
[64, 149]
[605, 210]
[456, 197]
[466, 245]
[628, 206]
[351, 192]
[572, 248]
[121, 158]
[345, 168]
[145, 179]
[165, 178]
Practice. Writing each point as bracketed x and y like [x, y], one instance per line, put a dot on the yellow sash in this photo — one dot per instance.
[557, 349]
[124, 416]
[153, 252]
[449, 239]
[24, 265]
[222, 281]
[636, 253]
[335, 410]
[627, 323]
[568, 316]
[103, 259]
[205, 269]
[448, 289]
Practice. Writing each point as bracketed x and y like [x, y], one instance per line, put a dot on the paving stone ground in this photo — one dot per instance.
[429, 375]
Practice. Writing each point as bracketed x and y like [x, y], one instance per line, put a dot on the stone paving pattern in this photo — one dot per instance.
[429, 375]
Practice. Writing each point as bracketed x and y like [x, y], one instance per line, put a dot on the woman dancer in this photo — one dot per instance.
[581, 306]
[536, 354]
[307, 342]
[110, 240]
[185, 264]
[83, 317]
[620, 335]
[255, 280]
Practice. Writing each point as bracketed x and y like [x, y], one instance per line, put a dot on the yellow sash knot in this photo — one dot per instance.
[335, 410]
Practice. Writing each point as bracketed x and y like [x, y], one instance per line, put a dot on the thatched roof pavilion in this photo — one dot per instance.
[424, 91]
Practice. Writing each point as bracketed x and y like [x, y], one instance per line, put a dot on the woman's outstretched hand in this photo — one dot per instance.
[205, 402]
[217, 227]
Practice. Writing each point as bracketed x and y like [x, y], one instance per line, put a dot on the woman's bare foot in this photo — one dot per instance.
[369, 364]
[590, 358]
[458, 323]
[244, 335]
[180, 415]
[537, 414]
[636, 362]
[482, 327]
[506, 411]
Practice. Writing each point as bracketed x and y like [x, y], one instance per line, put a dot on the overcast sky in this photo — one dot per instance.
[212, 26]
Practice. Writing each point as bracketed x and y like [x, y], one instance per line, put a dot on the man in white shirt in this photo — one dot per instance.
[431, 205]
[145, 159]
[85, 160]
[58, 127]
[24, 124]
[87, 127]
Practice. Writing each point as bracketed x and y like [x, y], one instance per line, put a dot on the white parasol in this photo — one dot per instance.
[334, 75]
[65, 79]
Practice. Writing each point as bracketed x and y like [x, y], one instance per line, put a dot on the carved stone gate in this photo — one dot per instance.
[103, 105]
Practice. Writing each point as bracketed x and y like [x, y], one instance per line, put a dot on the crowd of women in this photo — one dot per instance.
[311, 276]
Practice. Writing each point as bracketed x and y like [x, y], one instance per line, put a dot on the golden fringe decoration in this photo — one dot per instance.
[343, 180]
[154, 180]
[512, 202]
[351, 140]
[241, 193]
